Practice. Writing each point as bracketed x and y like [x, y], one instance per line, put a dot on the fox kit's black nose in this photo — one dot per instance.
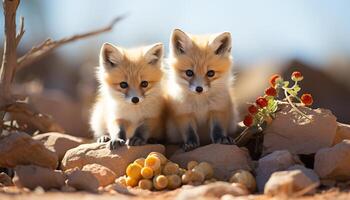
[135, 100]
[199, 89]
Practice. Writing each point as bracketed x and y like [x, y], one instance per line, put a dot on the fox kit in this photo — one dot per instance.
[130, 101]
[200, 106]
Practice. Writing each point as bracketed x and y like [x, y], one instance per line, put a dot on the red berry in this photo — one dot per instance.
[297, 76]
[248, 120]
[261, 101]
[271, 91]
[273, 79]
[307, 99]
[252, 109]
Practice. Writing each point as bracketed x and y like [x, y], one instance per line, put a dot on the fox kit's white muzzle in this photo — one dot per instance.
[198, 85]
[133, 96]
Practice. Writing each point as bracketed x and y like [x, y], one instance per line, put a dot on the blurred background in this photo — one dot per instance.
[269, 37]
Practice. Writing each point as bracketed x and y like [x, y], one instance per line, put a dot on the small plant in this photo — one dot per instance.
[279, 92]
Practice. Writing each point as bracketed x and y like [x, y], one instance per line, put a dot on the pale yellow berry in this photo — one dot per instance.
[157, 171]
[147, 172]
[244, 177]
[174, 181]
[131, 181]
[197, 177]
[170, 168]
[160, 182]
[152, 162]
[134, 171]
[140, 161]
[145, 184]
[161, 157]
[191, 164]
[206, 168]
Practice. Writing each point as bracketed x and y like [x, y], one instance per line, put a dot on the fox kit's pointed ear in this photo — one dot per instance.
[110, 55]
[180, 42]
[154, 53]
[221, 43]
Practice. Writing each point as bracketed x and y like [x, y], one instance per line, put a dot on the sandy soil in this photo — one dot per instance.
[332, 194]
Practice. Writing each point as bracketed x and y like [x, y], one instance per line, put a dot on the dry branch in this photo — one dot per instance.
[21, 32]
[9, 61]
[48, 45]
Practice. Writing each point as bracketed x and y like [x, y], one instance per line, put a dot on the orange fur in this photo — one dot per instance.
[186, 107]
[114, 109]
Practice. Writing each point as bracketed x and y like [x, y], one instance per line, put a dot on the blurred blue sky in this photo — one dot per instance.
[313, 30]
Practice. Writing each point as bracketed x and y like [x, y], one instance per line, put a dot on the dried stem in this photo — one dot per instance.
[9, 60]
[21, 32]
[48, 45]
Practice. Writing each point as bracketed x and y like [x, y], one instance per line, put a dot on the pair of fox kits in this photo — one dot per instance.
[139, 100]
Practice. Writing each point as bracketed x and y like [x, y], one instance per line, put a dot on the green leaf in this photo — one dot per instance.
[285, 83]
[296, 89]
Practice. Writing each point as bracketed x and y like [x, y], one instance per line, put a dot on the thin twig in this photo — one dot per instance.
[20, 32]
[48, 45]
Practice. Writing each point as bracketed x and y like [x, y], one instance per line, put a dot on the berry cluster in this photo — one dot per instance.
[156, 172]
[264, 107]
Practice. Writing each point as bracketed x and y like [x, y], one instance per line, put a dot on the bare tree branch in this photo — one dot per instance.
[20, 32]
[9, 61]
[48, 45]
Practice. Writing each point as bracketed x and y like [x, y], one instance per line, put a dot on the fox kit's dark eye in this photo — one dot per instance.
[189, 73]
[123, 85]
[144, 84]
[210, 73]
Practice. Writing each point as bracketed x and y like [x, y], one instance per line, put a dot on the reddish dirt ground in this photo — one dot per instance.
[332, 194]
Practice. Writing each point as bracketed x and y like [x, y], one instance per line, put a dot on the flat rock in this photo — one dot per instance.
[292, 132]
[212, 190]
[343, 133]
[224, 158]
[288, 182]
[82, 180]
[59, 142]
[98, 153]
[334, 162]
[5, 180]
[31, 176]
[104, 175]
[276, 161]
[18, 148]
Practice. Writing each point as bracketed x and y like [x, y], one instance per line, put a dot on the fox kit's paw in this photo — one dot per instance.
[218, 136]
[136, 141]
[224, 140]
[192, 140]
[114, 144]
[188, 146]
[103, 139]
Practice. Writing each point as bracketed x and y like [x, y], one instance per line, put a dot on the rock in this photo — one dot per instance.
[5, 180]
[311, 174]
[343, 133]
[224, 158]
[212, 190]
[31, 176]
[18, 148]
[292, 132]
[59, 142]
[334, 162]
[289, 182]
[82, 180]
[276, 161]
[103, 174]
[98, 153]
